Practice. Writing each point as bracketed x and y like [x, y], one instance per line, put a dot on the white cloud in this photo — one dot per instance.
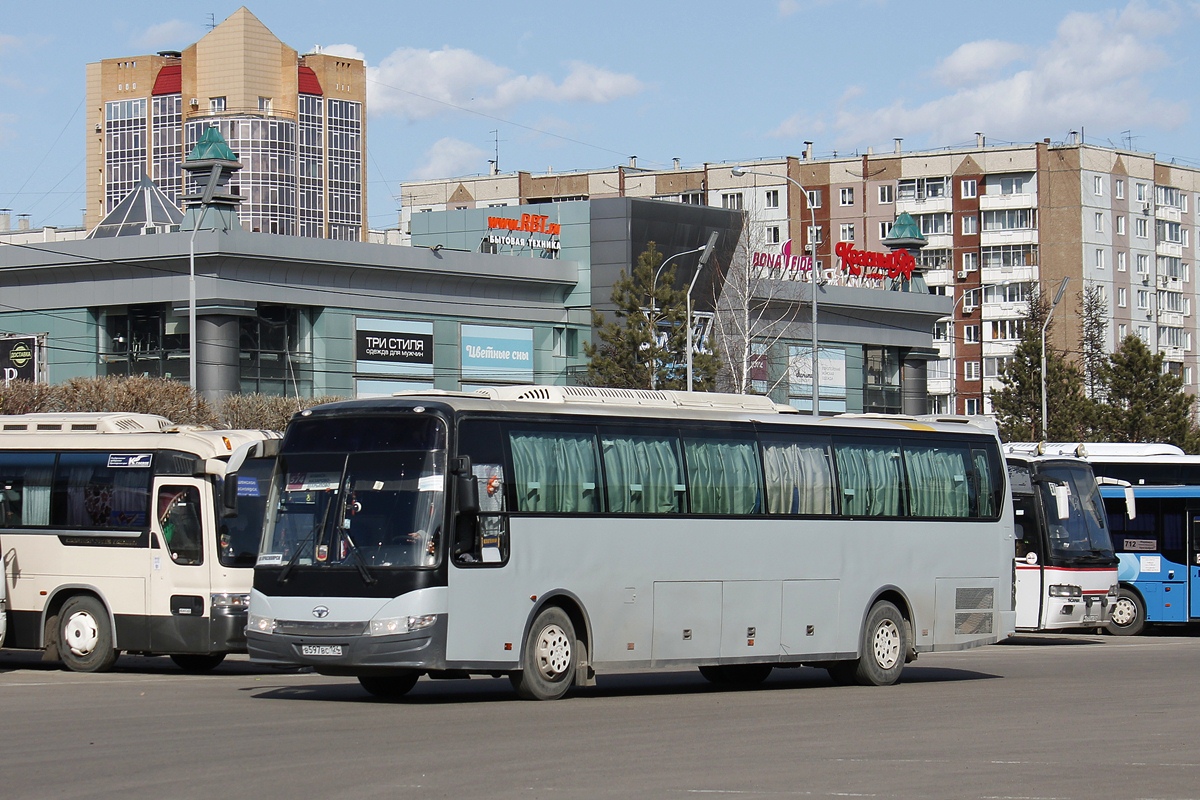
[1091, 74]
[174, 33]
[417, 84]
[977, 61]
[451, 157]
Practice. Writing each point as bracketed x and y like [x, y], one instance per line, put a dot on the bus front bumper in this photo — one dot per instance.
[351, 655]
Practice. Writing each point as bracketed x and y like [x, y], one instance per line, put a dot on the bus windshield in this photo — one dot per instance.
[343, 510]
[1084, 532]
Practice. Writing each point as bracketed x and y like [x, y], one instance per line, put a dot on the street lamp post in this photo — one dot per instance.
[704, 256]
[654, 303]
[192, 300]
[812, 243]
[1062, 287]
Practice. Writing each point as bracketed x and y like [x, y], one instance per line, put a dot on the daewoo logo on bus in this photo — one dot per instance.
[321, 612]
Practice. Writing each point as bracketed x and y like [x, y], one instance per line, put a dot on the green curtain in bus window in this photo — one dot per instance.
[988, 488]
[798, 477]
[938, 481]
[723, 476]
[869, 476]
[643, 474]
[555, 473]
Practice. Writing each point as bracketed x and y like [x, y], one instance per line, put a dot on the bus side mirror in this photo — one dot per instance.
[1062, 500]
[466, 489]
[1130, 503]
[229, 495]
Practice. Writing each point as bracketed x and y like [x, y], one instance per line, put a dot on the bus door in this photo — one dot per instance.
[179, 570]
[1029, 558]
[1194, 563]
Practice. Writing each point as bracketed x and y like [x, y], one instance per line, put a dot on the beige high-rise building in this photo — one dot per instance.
[296, 122]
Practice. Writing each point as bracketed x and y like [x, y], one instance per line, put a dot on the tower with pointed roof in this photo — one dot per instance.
[297, 122]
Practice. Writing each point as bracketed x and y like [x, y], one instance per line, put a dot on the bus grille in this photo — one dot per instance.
[297, 627]
[973, 610]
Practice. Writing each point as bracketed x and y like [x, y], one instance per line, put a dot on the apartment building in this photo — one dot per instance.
[296, 122]
[997, 220]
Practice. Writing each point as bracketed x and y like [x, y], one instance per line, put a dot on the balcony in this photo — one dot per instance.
[1169, 249]
[1168, 213]
[929, 205]
[1018, 236]
[1171, 319]
[1172, 353]
[995, 202]
[997, 275]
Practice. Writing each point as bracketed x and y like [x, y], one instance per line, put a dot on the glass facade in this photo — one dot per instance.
[124, 148]
[345, 184]
[312, 165]
[166, 121]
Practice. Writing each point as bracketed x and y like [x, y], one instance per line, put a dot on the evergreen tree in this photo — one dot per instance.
[628, 352]
[1095, 336]
[1018, 402]
[1146, 404]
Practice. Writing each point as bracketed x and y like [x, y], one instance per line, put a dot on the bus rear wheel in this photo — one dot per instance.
[549, 659]
[884, 647]
[389, 687]
[198, 662]
[741, 676]
[1128, 616]
[85, 641]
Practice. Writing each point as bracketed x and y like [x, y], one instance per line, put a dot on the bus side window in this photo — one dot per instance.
[179, 520]
[483, 538]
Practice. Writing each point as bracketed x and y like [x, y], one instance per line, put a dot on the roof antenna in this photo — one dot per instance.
[212, 21]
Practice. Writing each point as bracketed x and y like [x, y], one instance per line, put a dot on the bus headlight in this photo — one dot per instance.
[1065, 590]
[228, 600]
[395, 625]
[260, 624]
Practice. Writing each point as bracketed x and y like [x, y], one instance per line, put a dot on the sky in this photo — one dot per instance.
[571, 85]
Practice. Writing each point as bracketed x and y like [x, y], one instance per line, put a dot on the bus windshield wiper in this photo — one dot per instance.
[286, 573]
[359, 561]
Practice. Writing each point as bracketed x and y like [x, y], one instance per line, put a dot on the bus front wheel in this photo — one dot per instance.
[85, 641]
[549, 659]
[884, 647]
[391, 686]
[1128, 616]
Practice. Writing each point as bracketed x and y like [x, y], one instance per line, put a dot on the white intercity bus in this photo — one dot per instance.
[117, 535]
[1065, 566]
[544, 533]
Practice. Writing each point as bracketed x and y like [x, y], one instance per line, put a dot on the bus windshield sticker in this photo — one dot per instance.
[266, 559]
[129, 460]
[429, 483]
[247, 486]
[312, 481]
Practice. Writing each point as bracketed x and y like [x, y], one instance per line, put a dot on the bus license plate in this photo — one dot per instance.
[321, 649]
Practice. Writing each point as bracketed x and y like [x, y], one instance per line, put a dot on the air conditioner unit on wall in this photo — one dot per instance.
[962, 274]
[194, 102]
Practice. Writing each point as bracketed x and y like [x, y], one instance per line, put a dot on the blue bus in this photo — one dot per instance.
[1159, 549]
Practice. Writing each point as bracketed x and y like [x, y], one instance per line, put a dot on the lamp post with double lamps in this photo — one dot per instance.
[706, 249]
[812, 251]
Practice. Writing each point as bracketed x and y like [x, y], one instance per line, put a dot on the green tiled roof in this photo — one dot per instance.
[905, 228]
[212, 147]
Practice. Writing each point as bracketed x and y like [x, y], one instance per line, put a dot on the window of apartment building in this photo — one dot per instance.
[970, 300]
[970, 261]
[1122, 258]
[971, 370]
[772, 198]
[264, 104]
[1011, 184]
[1140, 192]
[1006, 293]
[941, 332]
[934, 258]
[1187, 376]
[1008, 219]
[816, 234]
[1143, 333]
[939, 369]
[1121, 225]
[969, 188]
[994, 366]
[1171, 197]
[1170, 266]
[846, 196]
[1098, 221]
[1141, 228]
[923, 188]
[772, 234]
[1097, 185]
[1099, 258]
[1122, 297]
[1006, 329]
[1168, 231]
[972, 406]
[814, 198]
[1143, 299]
[1008, 256]
[1119, 189]
[1143, 263]
[933, 223]
[970, 334]
[216, 104]
[887, 194]
[692, 198]
[970, 225]
[732, 200]
[1122, 331]
[885, 228]
[847, 232]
